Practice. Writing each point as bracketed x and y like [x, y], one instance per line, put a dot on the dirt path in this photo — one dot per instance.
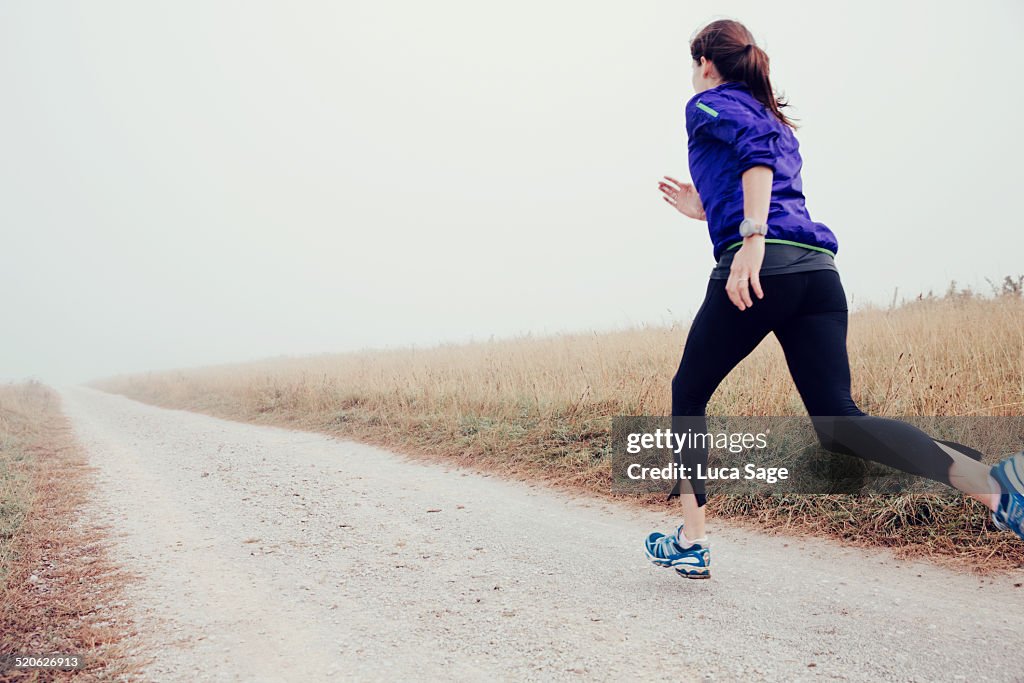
[277, 555]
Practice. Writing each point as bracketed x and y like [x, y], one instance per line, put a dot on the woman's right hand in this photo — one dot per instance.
[683, 197]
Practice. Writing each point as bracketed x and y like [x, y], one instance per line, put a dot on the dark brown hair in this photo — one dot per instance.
[731, 47]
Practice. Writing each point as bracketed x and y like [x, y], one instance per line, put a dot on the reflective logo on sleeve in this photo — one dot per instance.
[706, 108]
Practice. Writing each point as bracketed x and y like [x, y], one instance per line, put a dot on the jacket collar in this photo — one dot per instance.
[729, 85]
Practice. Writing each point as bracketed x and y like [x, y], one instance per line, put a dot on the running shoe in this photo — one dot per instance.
[692, 562]
[1009, 516]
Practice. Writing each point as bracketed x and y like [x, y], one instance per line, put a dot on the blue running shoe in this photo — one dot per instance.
[1010, 475]
[693, 562]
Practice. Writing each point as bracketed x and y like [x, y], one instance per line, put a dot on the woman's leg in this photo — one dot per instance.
[970, 475]
[814, 342]
[719, 338]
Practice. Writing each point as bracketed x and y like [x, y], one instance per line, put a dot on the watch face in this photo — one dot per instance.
[748, 227]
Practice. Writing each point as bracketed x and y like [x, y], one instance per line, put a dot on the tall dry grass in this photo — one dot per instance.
[541, 407]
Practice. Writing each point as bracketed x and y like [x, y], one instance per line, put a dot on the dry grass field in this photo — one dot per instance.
[541, 408]
[58, 585]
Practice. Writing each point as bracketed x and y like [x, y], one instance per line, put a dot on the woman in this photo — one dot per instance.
[776, 273]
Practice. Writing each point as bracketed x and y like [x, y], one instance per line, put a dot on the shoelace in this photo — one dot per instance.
[667, 546]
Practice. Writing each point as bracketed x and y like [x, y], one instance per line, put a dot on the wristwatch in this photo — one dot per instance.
[749, 227]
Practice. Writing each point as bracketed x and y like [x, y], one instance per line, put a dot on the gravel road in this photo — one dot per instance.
[277, 555]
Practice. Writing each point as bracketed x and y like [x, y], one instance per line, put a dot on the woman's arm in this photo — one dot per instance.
[757, 193]
[746, 265]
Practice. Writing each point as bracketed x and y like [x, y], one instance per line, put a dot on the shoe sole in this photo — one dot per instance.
[704, 573]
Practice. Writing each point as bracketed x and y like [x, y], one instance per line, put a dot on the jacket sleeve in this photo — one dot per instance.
[755, 139]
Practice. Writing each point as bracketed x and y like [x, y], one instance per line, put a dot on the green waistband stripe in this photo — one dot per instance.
[789, 242]
[704, 107]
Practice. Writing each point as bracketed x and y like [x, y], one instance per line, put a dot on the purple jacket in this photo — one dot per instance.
[730, 131]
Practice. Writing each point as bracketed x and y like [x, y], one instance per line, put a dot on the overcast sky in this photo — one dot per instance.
[187, 183]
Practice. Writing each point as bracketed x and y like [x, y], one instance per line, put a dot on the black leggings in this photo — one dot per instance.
[808, 314]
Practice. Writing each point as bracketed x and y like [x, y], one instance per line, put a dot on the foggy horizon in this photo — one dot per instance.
[209, 183]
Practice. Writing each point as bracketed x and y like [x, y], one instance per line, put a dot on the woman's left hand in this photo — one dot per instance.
[743, 275]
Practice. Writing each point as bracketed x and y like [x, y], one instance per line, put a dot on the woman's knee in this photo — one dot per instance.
[833, 405]
[688, 398]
